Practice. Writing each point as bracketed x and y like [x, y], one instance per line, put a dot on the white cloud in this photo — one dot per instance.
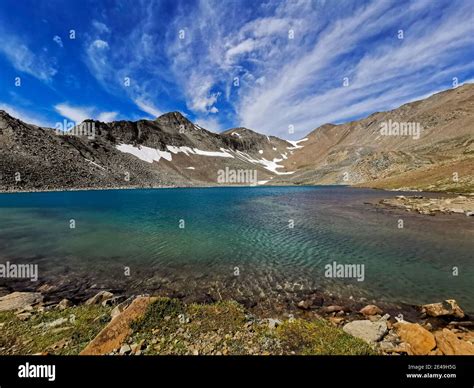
[25, 60]
[210, 123]
[246, 46]
[57, 39]
[100, 44]
[100, 27]
[383, 78]
[78, 114]
[148, 107]
[107, 117]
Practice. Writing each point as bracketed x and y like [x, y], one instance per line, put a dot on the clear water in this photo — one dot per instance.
[244, 228]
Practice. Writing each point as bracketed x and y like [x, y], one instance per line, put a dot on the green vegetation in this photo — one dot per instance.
[319, 338]
[77, 327]
[172, 327]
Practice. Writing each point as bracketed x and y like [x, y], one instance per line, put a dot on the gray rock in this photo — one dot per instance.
[368, 331]
[114, 300]
[125, 349]
[50, 325]
[273, 323]
[99, 298]
[121, 307]
[64, 304]
[19, 300]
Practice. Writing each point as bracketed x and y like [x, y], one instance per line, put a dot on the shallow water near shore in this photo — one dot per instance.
[238, 242]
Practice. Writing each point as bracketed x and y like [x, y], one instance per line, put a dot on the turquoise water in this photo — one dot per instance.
[238, 242]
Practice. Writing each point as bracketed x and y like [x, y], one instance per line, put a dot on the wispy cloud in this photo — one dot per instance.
[148, 107]
[272, 65]
[57, 39]
[23, 59]
[78, 114]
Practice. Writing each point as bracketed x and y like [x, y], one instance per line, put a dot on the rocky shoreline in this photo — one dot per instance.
[109, 323]
[461, 204]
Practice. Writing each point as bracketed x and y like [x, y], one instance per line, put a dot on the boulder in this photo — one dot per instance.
[19, 300]
[99, 298]
[125, 349]
[114, 300]
[371, 309]
[448, 307]
[121, 307]
[112, 336]
[304, 304]
[368, 331]
[331, 309]
[449, 344]
[420, 340]
[64, 304]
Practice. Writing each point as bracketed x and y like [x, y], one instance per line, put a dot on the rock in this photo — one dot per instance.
[64, 304]
[56, 322]
[336, 320]
[449, 344]
[304, 304]
[331, 309]
[114, 300]
[368, 331]
[49, 325]
[456, 210]
[99, 298]
[273, 323]
[462, 324]
[24, 316]
[371, 309]
[469, 214]
[19, 300]
[112, 336]
[447, 308]
[121, 307]
[420, 340]
[125, 349]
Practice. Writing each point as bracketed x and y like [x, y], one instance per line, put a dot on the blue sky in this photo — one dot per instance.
[265, 65]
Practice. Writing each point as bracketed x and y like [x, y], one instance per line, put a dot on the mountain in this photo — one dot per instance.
[168, 151]
[360, 153]
[435, 152]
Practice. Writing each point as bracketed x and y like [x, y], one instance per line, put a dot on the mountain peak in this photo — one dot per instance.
[173, 117]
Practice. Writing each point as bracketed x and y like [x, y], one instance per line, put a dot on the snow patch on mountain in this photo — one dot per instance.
[146, 154]
[295, 144]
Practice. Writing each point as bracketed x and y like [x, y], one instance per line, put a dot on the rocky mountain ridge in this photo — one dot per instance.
[426, 144]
